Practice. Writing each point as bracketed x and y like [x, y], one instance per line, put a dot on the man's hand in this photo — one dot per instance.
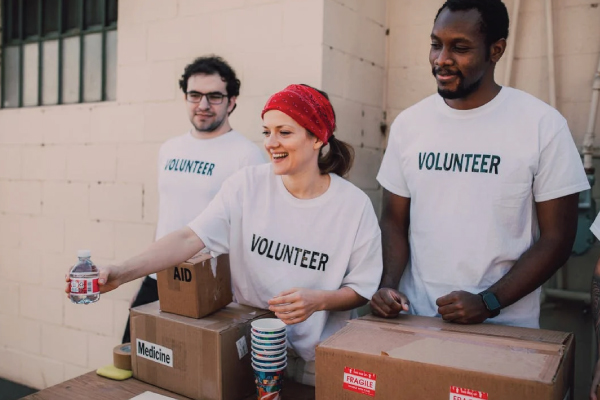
[107, 280]
[595, 382]
[388, 303]
[463, 308]
[296, 305]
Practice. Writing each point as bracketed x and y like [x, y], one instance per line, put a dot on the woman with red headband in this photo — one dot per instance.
[302, 241]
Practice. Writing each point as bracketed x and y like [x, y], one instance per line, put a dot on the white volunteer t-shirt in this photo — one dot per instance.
[276, 242]
[473, 177]
[191, 172]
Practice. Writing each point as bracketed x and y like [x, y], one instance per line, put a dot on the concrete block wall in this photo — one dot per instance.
[354, 54]
[576, 46]
[84, 175]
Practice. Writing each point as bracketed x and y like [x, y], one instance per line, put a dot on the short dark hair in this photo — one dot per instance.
[494, 16]
[212, 65]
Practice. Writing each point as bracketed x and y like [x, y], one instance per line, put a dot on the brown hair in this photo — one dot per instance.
[340, 156]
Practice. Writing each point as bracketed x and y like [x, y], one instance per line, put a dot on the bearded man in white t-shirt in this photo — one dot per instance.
[480, 185]
[193, 166]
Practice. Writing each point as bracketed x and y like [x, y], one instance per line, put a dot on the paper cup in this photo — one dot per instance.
[269, 336]
[268, 384]
[269, 362]
[257, 348]
[267, 326]
[269, 365]
[269, 357]
[280, 367]
[267, 343]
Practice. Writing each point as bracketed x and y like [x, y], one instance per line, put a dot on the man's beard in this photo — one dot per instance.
[217, 123]
[461, 91]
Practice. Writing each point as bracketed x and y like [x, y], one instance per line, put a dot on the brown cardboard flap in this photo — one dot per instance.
[514, 358]
[488, 329]
[223, 320]
[469, 356]
[470, 337]
[198, 258]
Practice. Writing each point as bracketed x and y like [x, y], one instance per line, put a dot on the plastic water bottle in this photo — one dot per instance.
[84, 280]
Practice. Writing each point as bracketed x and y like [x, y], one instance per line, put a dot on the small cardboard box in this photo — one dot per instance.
[197, 287]
[204, 358]
[414, 357]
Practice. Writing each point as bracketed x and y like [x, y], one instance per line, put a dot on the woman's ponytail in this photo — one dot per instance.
[338, 159]
[340, 156]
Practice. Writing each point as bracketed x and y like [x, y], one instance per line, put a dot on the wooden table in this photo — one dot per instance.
[92, 386]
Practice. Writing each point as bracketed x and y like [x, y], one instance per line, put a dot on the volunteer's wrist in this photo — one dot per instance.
[322, 300]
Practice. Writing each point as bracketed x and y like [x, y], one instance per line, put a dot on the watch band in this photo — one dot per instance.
[491, 303]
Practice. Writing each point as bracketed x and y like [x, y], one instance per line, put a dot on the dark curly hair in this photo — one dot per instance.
[494, 17]
[212, 65]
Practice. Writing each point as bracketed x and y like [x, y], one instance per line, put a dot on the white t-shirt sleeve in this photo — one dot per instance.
[560, 169]
[213, 225]
[365, 266]
[391, 175]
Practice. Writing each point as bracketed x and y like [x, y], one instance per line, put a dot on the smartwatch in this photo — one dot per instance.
[491, 303]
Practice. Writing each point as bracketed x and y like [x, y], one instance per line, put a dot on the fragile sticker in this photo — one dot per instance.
[359, 381]
[457, 393]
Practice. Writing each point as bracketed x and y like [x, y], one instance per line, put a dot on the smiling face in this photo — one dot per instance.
[205, 117]
[291, 148]
[459, 56]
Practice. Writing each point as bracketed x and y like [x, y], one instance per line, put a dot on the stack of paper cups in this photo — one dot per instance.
[269, 356]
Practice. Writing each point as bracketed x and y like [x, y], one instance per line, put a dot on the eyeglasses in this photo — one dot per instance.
[213, 98]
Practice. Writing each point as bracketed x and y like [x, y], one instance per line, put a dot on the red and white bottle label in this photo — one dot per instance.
[457, 393]
[359, 381]
[85, 286]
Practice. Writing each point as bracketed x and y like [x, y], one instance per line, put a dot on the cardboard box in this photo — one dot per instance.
[197, 287]
[204, 358]
[413, 357]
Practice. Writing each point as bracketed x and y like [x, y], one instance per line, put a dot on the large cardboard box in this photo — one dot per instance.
[413, 357]
[197, 287]
[204, 358]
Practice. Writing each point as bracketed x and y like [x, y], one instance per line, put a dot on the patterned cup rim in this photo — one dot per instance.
[269, 360]
[278, 369]
[269, 336]
[272, 343]
[268, 325]
[275, 355]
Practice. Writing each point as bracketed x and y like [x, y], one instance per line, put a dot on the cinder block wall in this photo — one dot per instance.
[576, 48]
[84, 176]
[354, 52]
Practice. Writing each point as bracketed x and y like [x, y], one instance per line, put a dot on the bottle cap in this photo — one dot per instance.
[83, 253]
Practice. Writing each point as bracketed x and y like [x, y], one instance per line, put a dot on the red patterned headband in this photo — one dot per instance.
[307, 107]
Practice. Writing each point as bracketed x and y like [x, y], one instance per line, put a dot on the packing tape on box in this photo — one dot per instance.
[122, 356]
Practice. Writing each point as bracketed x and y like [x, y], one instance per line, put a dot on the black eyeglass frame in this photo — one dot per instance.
[213, 102]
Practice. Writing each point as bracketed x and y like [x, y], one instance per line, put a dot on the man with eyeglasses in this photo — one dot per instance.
[192, 166]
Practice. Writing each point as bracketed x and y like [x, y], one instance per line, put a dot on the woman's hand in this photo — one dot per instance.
[108, 279]
[296, 304]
